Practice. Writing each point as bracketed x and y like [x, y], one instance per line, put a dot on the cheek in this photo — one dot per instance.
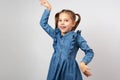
[70, 25]
[58, 24]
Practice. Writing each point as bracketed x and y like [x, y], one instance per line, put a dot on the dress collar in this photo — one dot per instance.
[68, 33]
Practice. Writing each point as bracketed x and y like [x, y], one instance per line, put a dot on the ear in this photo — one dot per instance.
[74, 23]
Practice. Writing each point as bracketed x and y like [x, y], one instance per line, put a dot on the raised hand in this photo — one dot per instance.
[46, 4]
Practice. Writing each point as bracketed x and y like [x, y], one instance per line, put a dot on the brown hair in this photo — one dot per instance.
[72, 15]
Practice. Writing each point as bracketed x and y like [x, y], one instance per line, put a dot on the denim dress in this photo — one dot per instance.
[63, 65]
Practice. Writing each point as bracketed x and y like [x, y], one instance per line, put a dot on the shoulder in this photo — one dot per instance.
[57, 30]
[77, 33]
[79, 36]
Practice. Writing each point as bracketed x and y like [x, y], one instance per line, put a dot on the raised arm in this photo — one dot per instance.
[44, 19]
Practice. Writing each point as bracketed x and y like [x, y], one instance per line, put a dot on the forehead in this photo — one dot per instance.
[64, 15]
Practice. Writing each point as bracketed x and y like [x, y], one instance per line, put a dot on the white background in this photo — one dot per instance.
[25, 49]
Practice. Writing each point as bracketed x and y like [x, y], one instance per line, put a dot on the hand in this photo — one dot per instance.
[46, 4]
[85, 69]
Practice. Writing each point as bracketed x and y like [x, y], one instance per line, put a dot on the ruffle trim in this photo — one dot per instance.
[74, 40]
[55, 39]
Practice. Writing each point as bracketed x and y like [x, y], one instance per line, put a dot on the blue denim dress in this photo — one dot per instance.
[63, 65]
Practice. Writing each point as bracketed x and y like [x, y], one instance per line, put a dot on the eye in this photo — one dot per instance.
[66, 20]
[60, 20]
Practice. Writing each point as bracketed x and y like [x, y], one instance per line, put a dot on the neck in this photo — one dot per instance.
[63, 34]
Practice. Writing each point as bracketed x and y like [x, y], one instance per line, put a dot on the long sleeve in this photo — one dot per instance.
[89, 54]
[44, 23]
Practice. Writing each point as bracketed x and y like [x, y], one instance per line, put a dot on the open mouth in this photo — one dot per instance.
[62, 27]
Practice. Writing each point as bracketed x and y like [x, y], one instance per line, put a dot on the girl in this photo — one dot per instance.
[66, 43]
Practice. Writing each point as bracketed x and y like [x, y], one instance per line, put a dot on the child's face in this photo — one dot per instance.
[65, 23]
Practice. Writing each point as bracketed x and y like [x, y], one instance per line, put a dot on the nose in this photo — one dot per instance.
[62, 22]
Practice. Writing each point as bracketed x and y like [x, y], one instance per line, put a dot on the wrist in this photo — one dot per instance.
[49, 8]
[82, 66]
[82, 63]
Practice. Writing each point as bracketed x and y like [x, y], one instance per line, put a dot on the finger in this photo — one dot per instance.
[43, 1]
[87, 73]
[88, 68]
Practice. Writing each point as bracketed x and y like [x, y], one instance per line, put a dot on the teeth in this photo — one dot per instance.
[63, 27]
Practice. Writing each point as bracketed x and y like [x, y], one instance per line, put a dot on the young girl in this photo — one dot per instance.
[66, 43]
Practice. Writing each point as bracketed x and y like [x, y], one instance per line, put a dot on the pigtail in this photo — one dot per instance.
[56, 20]
[77, 22]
